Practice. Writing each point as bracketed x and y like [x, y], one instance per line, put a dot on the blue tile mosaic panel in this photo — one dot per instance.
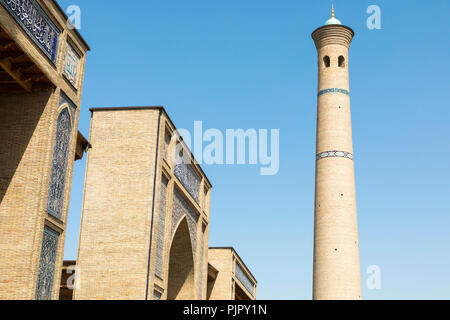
[161, 229]
[244, 279]
[181, 208]
[334, 90]
[335, 154]
[202, 252]
[71, 66]
[46, 273]
[35, 22]
[64, 99]
[56, 189]
[187, 176]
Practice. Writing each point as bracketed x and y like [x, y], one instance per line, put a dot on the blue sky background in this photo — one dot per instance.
[252, 64]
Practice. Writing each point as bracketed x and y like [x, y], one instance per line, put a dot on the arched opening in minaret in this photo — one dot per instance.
[326, 61]
[342, 62]
[181, 265]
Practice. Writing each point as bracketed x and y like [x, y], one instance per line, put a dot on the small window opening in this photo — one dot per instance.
[341, 62]
[326, 61]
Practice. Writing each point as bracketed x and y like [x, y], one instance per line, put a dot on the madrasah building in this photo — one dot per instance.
[145, 221]
[144, 232]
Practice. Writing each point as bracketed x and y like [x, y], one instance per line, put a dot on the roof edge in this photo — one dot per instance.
[74, 29]
[162, 109]
[234, 250]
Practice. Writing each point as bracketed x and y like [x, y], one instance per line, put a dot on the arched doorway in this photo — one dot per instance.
[181, 265]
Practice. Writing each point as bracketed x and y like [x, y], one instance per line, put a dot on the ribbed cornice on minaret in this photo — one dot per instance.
[333, 34]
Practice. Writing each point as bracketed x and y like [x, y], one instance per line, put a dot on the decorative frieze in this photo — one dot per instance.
[65, 100]
[35, 22]
[335, 154]
[46, 273]
[202, 252]
[161, 229]
[187, 176]
[56, 189]
[333, 90]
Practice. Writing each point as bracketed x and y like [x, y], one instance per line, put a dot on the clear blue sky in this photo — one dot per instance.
[252, 64]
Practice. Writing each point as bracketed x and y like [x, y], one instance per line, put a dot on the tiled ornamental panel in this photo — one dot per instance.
[180, 209]
[187, 176]
[64, 100]
[71, 66]
[161, 229]
[59, 165]
[334, 154]
[202, 252]
[35, 22]
[244, 279]
[46, 274]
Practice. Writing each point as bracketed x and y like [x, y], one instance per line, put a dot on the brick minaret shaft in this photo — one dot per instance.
[336, 247]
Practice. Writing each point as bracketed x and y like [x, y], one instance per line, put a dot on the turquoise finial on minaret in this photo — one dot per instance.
[333, 20]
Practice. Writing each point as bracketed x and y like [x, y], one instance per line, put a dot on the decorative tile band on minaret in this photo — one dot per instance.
[337, 273]
[335, 154]
[333, 90]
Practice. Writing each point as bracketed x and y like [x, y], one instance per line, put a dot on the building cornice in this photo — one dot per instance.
[333, 34]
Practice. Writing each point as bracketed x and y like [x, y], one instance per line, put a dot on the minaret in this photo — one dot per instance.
[336, 247]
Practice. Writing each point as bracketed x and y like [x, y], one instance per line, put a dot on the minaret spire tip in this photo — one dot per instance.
[332, 10]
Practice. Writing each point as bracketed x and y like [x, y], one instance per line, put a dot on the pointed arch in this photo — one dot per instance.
[181, 281]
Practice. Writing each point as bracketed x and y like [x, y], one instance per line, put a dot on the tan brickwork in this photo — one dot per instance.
[336, 247]
[121, 208]
[27, 132]
[225, 284]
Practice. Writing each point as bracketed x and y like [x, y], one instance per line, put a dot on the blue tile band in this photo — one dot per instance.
[35, 22]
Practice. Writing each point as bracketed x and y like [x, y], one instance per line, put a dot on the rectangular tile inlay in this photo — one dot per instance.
[71, 66]
[159, 262]
[35, 22]
[187, 176]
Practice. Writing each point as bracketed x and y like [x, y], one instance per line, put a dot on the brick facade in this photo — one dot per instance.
[229, 278]
[130, 181]
[31, 87]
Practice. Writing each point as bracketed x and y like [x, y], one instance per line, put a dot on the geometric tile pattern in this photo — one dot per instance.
[187, 176]
[161, 229]
[180, 209]
[202, 250]
[71, 66]
[64, 99]
[59, 165]
[335, 154]
[47, 262]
